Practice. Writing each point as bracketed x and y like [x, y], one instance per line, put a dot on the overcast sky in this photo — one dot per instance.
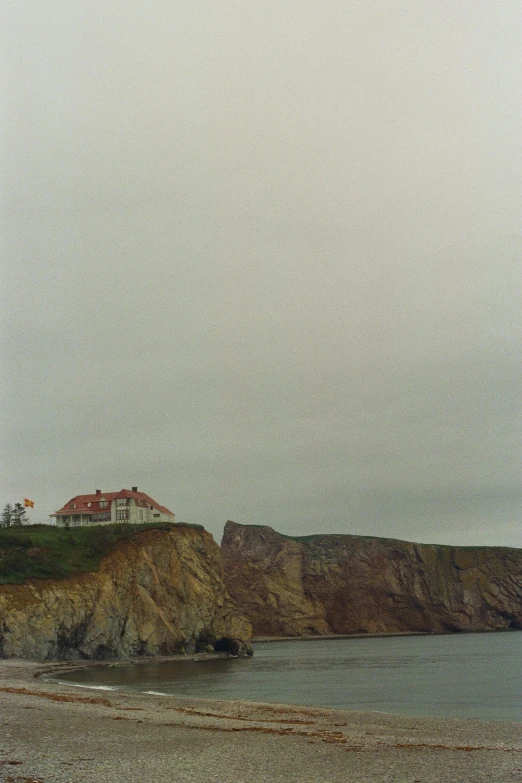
[263, 260]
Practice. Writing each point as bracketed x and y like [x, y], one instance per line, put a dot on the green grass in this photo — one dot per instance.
[48, 552]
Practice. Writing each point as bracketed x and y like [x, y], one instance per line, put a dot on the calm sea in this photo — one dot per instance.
[460, 675]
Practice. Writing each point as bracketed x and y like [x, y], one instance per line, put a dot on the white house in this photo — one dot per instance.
[105, 508]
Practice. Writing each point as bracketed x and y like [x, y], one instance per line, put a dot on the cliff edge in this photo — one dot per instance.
[339, 584]
[159, 592]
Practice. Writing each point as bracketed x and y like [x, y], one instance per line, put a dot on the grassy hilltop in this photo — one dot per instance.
[46, 552]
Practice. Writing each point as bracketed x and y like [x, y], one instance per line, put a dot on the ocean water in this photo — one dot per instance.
[455, 675]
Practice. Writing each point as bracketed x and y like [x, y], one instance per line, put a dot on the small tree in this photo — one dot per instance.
[6, 519]
[19, 515]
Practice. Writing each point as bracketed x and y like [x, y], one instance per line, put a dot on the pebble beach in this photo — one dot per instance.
[55, 733]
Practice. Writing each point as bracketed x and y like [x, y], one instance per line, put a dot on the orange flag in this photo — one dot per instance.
[28, 503]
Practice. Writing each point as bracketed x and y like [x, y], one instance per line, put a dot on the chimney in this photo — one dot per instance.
[135, 489]
[98, 491]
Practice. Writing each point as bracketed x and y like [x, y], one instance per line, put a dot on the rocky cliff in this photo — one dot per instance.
[328, 584]
[157, 593]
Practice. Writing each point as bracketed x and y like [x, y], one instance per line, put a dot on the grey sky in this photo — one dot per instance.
[263, 260]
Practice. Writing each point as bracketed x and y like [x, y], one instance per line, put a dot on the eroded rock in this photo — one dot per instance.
[338, 584]
[160, 592]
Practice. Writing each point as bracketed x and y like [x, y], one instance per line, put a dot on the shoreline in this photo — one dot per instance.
[385, 635]
[54, 734]
[332, 636]
[46, 667]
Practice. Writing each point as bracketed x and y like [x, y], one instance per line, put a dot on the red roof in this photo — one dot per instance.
[90, 504]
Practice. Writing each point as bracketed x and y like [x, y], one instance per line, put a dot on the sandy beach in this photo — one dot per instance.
[55, 733]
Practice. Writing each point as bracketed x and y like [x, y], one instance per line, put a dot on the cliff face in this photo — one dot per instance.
[157, 593]
[330, 584]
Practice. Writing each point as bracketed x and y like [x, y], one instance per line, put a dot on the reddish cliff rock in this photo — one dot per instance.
[329, 584]
[159, 592]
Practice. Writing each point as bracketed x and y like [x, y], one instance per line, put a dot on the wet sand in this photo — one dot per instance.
[63, 734]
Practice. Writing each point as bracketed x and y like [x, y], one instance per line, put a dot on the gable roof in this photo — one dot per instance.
[90, 504]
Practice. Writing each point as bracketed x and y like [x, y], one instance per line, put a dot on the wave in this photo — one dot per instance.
[90, 687]
[155, 693]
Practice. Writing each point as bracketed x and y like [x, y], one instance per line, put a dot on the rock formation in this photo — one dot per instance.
[338, 584]
[157, 593]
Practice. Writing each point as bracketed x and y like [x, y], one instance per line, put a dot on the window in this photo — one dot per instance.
[122, 516]
[122, 502]
[103, 503]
